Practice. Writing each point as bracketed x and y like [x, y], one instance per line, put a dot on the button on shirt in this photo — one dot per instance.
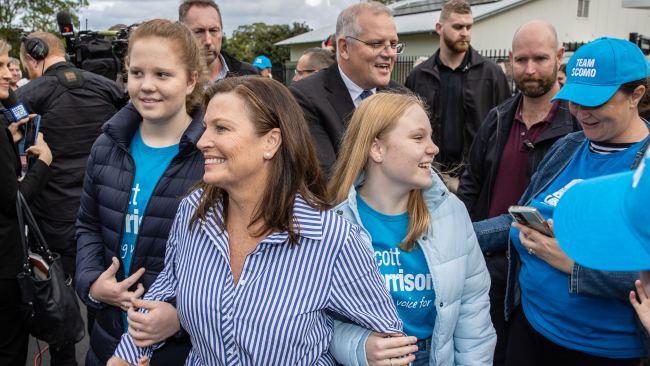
[276, 313]
[354, 89]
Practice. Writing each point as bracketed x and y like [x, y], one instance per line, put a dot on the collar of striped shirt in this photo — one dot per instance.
[307, 220]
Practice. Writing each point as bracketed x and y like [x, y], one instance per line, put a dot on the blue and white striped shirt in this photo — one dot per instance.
[276, 313]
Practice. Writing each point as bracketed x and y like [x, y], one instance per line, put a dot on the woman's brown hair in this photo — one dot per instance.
[374, 119]
[294, 168]
[186, 47]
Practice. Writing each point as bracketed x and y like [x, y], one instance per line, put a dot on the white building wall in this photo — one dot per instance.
[421, 44]
[606, 18]
[296, 50]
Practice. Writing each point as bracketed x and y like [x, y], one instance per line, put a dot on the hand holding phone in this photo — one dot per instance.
[17, 129]
[41, 150]
[530, 217]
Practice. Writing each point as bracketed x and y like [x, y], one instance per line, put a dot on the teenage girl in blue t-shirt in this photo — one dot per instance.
[145, 161]
[421, 237]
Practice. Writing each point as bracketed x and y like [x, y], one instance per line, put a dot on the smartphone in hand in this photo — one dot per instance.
[530, 217]
[32, 127]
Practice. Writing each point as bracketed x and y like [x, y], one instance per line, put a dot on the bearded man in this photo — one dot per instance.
[511, 142]
[459, 85]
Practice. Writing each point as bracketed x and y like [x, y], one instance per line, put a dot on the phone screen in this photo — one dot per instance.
[529, 216]
[31, 131]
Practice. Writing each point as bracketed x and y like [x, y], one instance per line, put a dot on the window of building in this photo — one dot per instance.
[583, 8]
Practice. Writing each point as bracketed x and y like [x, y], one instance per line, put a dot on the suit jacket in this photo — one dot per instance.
[327, 105]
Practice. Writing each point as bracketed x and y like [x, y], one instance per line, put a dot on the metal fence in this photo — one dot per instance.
[402, 68]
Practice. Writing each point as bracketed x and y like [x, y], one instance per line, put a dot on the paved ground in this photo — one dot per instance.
[82, 347]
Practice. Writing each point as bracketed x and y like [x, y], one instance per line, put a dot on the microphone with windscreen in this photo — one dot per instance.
[64, 20]
[13, 110]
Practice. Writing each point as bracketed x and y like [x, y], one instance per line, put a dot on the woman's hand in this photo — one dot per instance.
[390, 349]
[116, 361]
[158, 324]
[40, 150]
[544, 247]
[16, 134]
[643, 307]
[107, 290]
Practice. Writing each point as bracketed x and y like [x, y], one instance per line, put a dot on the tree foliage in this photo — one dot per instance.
[34, 15]
[255, 39]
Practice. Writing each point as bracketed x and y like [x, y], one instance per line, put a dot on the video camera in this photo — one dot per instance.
[100, 52]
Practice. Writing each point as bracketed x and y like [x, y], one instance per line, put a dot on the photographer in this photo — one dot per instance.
[73, 104]
[13, 343]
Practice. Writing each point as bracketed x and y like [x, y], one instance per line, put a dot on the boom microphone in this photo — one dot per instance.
[64, 19]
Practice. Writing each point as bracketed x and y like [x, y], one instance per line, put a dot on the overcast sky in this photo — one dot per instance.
[101, 14]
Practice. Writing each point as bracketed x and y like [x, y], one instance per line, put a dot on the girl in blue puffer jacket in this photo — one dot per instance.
[422, 239]
[139, 169]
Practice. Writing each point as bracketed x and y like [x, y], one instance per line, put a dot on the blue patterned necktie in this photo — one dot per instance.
[365, 94]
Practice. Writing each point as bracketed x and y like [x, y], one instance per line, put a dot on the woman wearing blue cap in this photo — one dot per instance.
[612, 213]
[561, 312]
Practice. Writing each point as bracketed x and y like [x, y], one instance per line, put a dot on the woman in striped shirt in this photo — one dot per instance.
[255, 262]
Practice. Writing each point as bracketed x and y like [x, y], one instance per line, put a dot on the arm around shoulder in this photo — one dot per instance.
[492, 234]
[474, 336]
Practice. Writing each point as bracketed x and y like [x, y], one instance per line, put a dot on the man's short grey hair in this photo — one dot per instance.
[185, 6]
[14, 61]
[346, 23]
[319, 58]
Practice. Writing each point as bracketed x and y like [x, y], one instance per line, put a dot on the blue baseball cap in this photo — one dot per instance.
[604, 223]
[262, 62]
[597, 69]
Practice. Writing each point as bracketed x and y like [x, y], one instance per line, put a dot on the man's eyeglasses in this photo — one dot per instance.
[398, 47]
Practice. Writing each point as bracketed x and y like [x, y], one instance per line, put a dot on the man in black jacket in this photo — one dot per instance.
[73, 104]
[367, 46]
[203, 18]
[511, 142]
[459, 85]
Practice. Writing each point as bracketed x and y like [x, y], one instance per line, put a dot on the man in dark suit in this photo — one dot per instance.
[367, 46]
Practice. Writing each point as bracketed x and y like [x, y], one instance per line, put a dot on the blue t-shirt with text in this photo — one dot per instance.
[405, 274]
[150, 164]
[598, 326]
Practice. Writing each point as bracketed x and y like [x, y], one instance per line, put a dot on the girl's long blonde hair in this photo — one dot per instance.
[375, 118]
